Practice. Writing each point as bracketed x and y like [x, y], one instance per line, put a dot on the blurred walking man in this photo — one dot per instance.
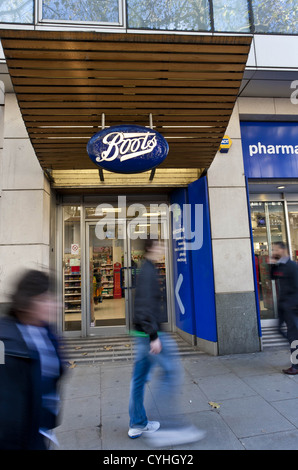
[155, 348]
[285, 273]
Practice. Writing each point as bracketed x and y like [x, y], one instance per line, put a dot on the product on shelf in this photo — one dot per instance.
[72, 286]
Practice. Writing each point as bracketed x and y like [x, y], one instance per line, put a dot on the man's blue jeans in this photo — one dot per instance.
[169, 362]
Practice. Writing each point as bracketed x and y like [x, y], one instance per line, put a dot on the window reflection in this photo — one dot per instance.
[16, 11]
[268, 226]
[293, 223]
[169, 15]
[275, 16]
[105, 11]
[231, 16]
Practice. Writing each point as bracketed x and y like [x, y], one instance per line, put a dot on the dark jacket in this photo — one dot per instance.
[21, 411]
[286, 276]
[148, 310]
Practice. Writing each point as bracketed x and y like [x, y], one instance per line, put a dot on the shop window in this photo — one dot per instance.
[275, 16]
[169, 15]
[293, 223]
[17, 11]
[88, 11]
[268, 226]
[72, 282]
[231, 16]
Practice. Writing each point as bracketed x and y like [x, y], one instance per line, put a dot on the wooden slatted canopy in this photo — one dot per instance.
[64, 81]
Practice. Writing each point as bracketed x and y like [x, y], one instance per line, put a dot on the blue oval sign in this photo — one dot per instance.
[127, 149]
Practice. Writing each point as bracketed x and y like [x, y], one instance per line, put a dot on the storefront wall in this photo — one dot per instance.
[272, 185]
[236, 309]
[223, 312]
[24, 202]
[28, 210]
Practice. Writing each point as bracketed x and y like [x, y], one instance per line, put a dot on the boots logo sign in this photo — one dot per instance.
[127, 149]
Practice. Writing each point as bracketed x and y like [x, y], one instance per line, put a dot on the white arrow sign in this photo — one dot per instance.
[177, 288]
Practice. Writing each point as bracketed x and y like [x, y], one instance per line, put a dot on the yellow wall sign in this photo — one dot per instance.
[225, 144]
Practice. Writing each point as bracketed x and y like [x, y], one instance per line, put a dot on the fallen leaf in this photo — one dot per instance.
[107, 348]
[127, 345]
[85, 354]
[213, 404]
[78, 347]
[72, 364]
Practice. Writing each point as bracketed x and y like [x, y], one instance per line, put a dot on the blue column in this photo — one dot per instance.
[192, 262]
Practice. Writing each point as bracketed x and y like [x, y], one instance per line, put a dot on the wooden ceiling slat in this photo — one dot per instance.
[212, 131]
[47, 45]
[78, 98]
[125, 74]
[65, 80]
[125, 112]
[120, 38]
[134, 83]
[108, 58]
[133, 104]
[83, 120]
[106, 91]
[183, 69]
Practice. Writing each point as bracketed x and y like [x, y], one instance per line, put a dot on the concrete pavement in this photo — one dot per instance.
[258, 404]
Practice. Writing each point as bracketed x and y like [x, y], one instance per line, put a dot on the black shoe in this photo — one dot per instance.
[290, 371]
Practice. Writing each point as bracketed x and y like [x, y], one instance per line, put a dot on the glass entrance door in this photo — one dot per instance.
[268, 226]
[114, 255]
[106, 278]
[293, 226]
[136, 257]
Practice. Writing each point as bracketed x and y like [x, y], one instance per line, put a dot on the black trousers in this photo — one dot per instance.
[291, 320]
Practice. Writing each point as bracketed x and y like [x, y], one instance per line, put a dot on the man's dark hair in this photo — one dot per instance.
[149, 243]
[281, 245]
[31, 284]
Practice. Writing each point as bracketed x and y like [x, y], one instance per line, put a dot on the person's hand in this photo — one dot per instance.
[155, 346]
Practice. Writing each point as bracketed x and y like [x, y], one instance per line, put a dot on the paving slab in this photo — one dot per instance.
[287, 440]
[289, 409]
[219, 436]
[249, 416]
[257, 404]
[221, 387]
[273, 387]
[244, 365]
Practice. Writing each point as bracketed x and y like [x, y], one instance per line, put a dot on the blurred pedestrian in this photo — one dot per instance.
[155, 348]
[29, 399]
[285, 273]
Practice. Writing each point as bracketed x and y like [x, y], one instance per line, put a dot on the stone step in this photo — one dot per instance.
[271, 337]
[110, 349]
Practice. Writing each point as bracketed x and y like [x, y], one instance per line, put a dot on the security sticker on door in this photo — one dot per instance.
[75, 249]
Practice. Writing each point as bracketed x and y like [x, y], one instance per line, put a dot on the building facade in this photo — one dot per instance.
[208, 73]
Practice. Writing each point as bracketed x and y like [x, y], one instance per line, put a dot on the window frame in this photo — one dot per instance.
[39, 20]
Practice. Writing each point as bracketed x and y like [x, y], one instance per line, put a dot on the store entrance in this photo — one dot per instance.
[268, 226]
[114, 255]
[102, 254]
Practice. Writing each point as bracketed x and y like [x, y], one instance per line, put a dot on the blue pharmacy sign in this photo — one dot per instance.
[127, 149]
[270, 149]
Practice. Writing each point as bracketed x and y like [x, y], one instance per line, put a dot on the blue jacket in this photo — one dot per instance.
[21, 411]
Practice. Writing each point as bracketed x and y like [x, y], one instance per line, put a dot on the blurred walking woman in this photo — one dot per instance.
[29, 401]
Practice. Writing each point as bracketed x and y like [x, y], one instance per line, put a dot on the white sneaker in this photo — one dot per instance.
[172, 437]
[151, 427]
